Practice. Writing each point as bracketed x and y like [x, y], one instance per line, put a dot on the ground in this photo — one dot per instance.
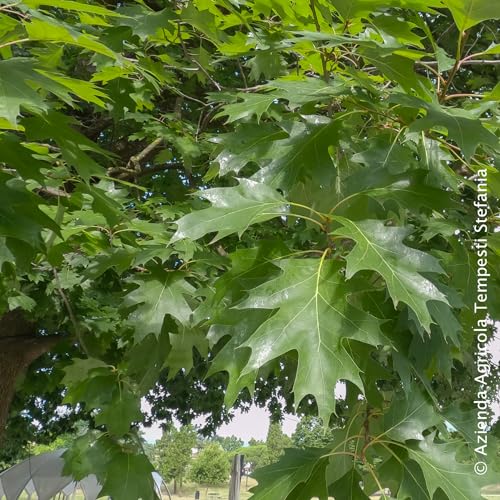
[212, 493]
[221, 492]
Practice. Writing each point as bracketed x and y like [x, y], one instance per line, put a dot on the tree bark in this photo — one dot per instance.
[20, 345]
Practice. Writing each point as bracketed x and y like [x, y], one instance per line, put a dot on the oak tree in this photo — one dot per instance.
[208, 203]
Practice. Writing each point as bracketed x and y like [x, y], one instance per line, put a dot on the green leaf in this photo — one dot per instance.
[88, 454]
[80, 369]
[305, 90]
[463, 128]
[73, 5]
[303, 154]
[86, 91]
[121, 412]
[18, 82]
[409, 416]
[463, 420]
[352, 9]
[20, 215]
[233, 210]
[155, 297]
[22, 301]
[383, 154]
[441, 470]
[410, 192]
[250, 105]
[239, 326]
[248, 143]
[45, 29]
[277, 481]
[468, 13]
[182, 342]
[144, 22]
[15, 154]
[146, 359]
[380, 248]
[412, 482]
[6, 255]
[269, 64]
[128, 477]
[249, 268]
[348, 487]
[315, 320]
[395, 67]
[314, 487]
[74, 145]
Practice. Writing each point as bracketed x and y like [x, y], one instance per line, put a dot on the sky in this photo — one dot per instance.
[254, 423]
[245, 426]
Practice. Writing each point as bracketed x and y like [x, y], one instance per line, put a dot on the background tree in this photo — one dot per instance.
[276, 442]
[211, 466]
[173, 453]
[255, 455]
[229, 443]
[255, 442]
[311, 433]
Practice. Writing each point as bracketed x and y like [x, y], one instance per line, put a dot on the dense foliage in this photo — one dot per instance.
[172, 453]
[311, 433]
[211, 466]
[276, 442]
[229, 443]
[209, 201]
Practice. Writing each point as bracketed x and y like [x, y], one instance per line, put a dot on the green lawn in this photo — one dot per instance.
[211, 493]
[221, 493]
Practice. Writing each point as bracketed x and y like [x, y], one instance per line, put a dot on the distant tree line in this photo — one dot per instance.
[181, 454]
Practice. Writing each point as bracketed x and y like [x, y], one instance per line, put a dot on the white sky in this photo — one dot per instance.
[254, 423]
[245, 426]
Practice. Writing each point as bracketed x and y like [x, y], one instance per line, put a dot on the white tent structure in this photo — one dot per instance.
[42, 475]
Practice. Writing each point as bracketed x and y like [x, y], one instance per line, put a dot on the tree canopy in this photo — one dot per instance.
[311, 433]
[276, 442]
[172, 453]
[207, 203]
[210, 466]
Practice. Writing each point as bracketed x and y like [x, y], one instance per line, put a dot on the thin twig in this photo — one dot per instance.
[192, 59]
[463, 62]
[462, 38]
[312, 5]
[243, 76]
[14, 42]
[71, 313]
[456, 96]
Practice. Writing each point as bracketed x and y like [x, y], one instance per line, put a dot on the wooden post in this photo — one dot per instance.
[234, 485]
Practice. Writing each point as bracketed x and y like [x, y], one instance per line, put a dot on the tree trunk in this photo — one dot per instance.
[175, 486]
[19, 346]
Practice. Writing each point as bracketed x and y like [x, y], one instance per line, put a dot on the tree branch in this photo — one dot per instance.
[133, 166]
[49, 191]
[70, 311]
[217, 85]
[468, 62]
[160, 168]
[312, 6]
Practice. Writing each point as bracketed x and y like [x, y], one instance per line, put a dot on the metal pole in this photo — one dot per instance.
[234, 485]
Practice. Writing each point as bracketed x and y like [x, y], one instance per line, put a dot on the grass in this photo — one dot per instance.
[221, 492]
[212, 492]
